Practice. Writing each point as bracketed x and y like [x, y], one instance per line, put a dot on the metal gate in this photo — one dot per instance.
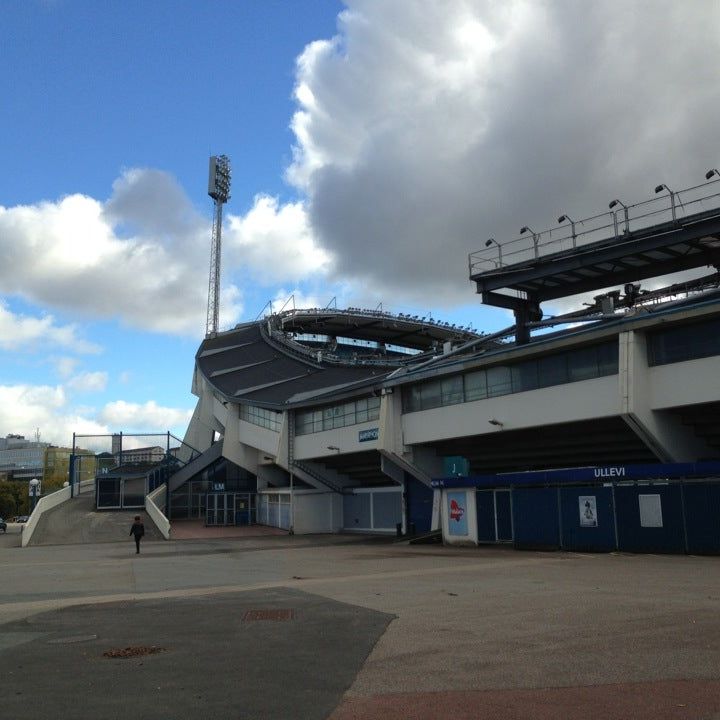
[230, 509]
[494, 516]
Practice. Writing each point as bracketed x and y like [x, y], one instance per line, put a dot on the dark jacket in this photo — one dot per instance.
[137, 529]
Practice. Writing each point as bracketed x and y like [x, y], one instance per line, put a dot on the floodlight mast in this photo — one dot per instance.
[219, 191]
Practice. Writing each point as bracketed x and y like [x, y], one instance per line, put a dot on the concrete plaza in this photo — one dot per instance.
[347, 627]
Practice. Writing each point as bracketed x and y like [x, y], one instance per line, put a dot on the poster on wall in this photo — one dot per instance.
[588, 511]
[457, 513]
[650, 511]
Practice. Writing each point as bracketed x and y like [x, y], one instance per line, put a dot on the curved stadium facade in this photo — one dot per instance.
[356, 420]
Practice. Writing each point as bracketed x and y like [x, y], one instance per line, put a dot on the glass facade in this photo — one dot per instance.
[337, 416]
[684, 342]
[557, 369]
[269, 419]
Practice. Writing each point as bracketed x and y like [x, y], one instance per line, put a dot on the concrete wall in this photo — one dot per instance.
[317, 512]
[685, 383]
[663, 432]
[154, 506]
[576, 401]
[315, 445]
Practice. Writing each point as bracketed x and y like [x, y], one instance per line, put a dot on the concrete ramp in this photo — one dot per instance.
[76, 521]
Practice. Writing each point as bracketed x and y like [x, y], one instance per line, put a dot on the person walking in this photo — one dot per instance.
[138, 530]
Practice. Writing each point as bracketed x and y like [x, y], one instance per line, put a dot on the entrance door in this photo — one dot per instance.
[494, 516]
[220, 509]
[244, 509]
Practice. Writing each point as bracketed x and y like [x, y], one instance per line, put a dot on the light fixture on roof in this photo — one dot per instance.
[335, 448]
[660, 188]
[493, 241]
[612, 204]
[527, 228]
[566, 218]
[710, 173]
[497, 423]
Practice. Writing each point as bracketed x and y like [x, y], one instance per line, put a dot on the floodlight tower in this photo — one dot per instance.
[219, 191]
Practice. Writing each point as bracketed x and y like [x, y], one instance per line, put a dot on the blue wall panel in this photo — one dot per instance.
[702, 513]
[485, 516]
[535, 517]
[587, 538]
[633, 537]
[503, 513]
[419, 504]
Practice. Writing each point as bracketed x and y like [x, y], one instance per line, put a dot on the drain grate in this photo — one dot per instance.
[133, 651]
[274, 615]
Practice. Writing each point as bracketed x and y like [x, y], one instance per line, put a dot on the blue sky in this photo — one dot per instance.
[373, 145]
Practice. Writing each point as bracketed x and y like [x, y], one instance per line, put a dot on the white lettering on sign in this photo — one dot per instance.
[610, 472]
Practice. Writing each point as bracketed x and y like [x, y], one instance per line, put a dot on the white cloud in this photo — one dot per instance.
[143, 416]
[64, 366]
[88, 382]
[25, 408]
[275, 242]
[424, 128]
[23, 332]
[141, 257]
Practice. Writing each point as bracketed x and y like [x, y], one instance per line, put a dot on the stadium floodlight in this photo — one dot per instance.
[219, 178]
[567, 218]
[710, 173]
[660, 188]
[493, 241]
[614, 203]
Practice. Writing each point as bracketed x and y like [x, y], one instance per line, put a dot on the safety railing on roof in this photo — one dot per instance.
[668, 207]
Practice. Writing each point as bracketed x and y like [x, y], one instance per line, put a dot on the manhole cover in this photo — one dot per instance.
[133, 651]
[72, 639]
[275, 615]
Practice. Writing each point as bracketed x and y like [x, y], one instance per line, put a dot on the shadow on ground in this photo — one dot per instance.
[264, 654]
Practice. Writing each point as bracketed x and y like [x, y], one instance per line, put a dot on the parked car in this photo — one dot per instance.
[3, 525]
[22, 518]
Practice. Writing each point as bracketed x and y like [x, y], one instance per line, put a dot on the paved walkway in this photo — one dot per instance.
[376, 630]
[76, 521]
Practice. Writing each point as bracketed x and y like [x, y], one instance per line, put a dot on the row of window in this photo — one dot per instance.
[687, 342]
[337, 416]
[269, 419]
[567, 367]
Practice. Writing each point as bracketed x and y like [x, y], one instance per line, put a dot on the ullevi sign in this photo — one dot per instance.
[610, 472]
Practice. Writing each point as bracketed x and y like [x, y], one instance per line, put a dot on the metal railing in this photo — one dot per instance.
[668, 207]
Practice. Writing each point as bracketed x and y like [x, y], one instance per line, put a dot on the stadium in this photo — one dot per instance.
[329, 420]
[596, 428]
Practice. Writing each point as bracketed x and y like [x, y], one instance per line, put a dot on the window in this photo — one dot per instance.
[571, 366]
[337, 416]
[686, 342]
[499, 380]
[475, 386]
[262, 417]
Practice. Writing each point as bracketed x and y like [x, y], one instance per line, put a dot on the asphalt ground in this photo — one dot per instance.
[380, 630]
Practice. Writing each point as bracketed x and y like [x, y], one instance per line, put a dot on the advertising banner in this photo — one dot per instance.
[588, 511]
[457, 513]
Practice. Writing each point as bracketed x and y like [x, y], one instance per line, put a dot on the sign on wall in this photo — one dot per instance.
[457, 513]
[366, 435]
[588, 511]
[650, 511]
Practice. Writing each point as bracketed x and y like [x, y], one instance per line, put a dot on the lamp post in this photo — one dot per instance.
[612, 204]
[662, 187]
[526, 228]
[567, 218]
[33, 491]
[493, 241]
